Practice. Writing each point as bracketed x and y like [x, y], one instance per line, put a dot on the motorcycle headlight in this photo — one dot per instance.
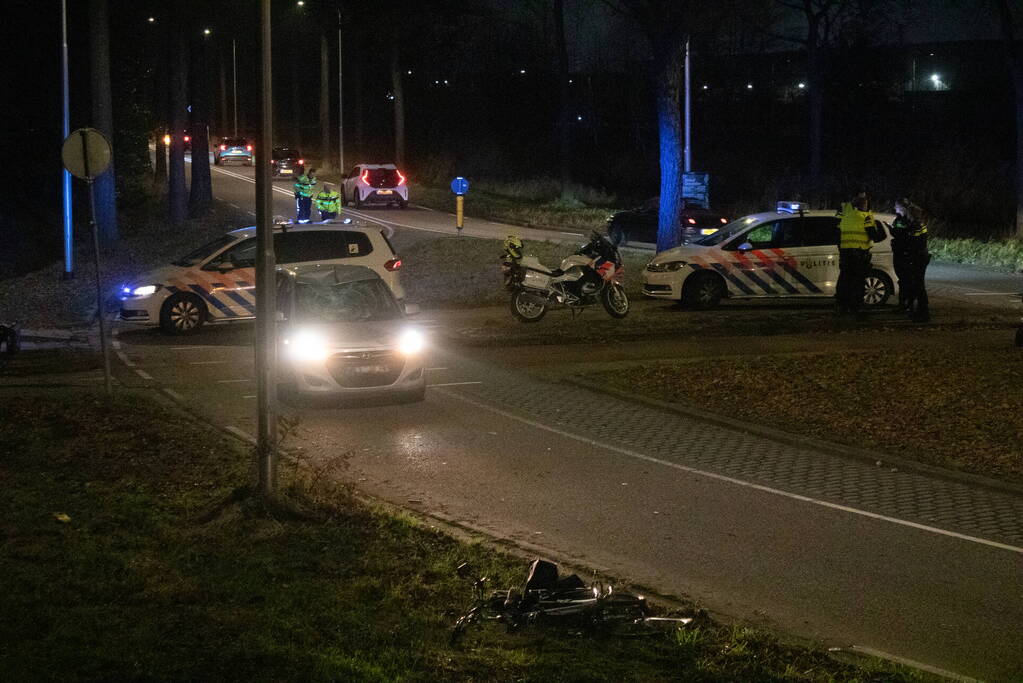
[411, 342]
[307, 346]
[666, 267]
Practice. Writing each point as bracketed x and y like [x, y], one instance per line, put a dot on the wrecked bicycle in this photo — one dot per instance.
[589, 276]
[549, 599]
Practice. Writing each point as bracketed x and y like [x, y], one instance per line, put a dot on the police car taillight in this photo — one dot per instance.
[393, 265]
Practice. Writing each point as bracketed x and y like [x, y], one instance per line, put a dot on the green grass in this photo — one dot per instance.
[935, 405]
[1004, 254]
[129, 552]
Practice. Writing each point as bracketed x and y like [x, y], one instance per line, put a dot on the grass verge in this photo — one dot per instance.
[939, 406]
[129, 553]
[1002, 254]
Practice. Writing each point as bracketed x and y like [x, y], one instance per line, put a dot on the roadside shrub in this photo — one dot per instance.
[997, 254]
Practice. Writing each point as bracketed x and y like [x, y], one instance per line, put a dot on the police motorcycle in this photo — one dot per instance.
[592, 274]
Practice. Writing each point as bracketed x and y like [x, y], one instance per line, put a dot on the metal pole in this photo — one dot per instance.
[688, 164]
[234, 84]
[95, 248]
[266, 300]
[340, 101]
[69, 271]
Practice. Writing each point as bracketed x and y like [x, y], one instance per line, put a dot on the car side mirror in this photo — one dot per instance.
[412, 309]
[225, 266]
[745, 246]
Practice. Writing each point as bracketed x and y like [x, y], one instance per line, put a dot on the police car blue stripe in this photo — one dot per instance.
[769, 269]
[728, 276]
[802, 279]
[221, 306]
[242, 301]
[760, 283]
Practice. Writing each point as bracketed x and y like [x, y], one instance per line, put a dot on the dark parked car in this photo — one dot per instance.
[233, 149]
[286, 161]
[640, 224]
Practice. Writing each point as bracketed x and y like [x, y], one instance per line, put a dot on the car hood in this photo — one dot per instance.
[159, 276]
[383, 334]
[683, 253]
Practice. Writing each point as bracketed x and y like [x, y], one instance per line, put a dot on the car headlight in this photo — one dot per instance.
[307, 346]
[143, 290]
[666, 267]
[411, 342]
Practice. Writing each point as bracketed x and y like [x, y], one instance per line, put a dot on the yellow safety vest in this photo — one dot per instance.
[853, 227]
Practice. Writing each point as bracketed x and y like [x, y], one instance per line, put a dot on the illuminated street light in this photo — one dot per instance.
[936, 78]
[301, 3]
[522, 71]
[749, 86]
[152, 20]
[705, 86]
[206, 31]
[801, 86]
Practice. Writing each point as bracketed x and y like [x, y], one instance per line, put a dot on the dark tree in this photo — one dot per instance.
[1015, 63]
[104, 186]
[177, 196]
[398, 92]
[200, 195]
[564, 101]
[325, 155]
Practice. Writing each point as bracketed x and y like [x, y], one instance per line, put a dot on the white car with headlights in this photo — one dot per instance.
[217, 281]
[790, 252]
[342, 333]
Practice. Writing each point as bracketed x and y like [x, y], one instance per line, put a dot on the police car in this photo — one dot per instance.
[790, 252]
[217, 281]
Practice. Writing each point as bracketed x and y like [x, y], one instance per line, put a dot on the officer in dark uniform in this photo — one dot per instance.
[910, 255]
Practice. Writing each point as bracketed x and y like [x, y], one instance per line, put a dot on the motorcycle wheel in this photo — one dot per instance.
[615, 300]
[527, 306]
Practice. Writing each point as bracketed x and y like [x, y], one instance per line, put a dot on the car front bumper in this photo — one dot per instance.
[667, 285]
[379, 372]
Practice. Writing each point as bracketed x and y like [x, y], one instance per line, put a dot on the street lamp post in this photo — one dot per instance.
[340, 101]
[65, 130]
[234, 84]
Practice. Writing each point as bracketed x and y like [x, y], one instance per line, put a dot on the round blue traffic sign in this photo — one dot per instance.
[459, 185]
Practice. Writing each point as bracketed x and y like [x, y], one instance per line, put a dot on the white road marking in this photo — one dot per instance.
[436, 368]
[175, 395]
[249, 396]
[187, 348]
[143, 374]
[124, 359]
[739, 482]
[244, 436]
[990, 294]
[870, 652]
[234, 205]
[232, 381]
[453, 384]
[209, 362]
[116, 344]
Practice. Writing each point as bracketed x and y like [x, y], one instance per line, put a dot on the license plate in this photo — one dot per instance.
[369, 369]
[383, 192]
[285, 170]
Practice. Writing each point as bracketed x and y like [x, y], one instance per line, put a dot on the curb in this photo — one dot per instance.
[809, 443]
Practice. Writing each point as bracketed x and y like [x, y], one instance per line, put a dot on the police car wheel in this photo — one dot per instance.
[402, 203]
[877, 289]
[182, 314]
[703, 291]
[355, 200]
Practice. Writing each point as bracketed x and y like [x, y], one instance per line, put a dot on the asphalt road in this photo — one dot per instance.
[826, 548]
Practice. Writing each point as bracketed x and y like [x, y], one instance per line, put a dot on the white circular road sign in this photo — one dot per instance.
[86, 153]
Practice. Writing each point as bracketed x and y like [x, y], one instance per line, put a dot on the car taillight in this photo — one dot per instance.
[401, 178]
[724, 220]
[302, 161]
[364, 177]
[393, 265]
[692, 221]
[223, 148]
[248, 148]
[188, 138]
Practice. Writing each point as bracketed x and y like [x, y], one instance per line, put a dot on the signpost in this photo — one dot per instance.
[459, 186]
[86, 154]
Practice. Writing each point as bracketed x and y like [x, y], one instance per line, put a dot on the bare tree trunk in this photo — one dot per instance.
[669, 58]
[360, 119]
[399, 103]
[201, 191]
[177, 197]
[104, 187]
[325, 156]
[1015, 63]
[815, 96]
[224, 115]
[564, 125]
[296, 100]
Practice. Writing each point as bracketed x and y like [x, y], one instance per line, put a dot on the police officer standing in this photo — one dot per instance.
[304, 195]
[853, 253]
[328, 202]
[909, 249]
